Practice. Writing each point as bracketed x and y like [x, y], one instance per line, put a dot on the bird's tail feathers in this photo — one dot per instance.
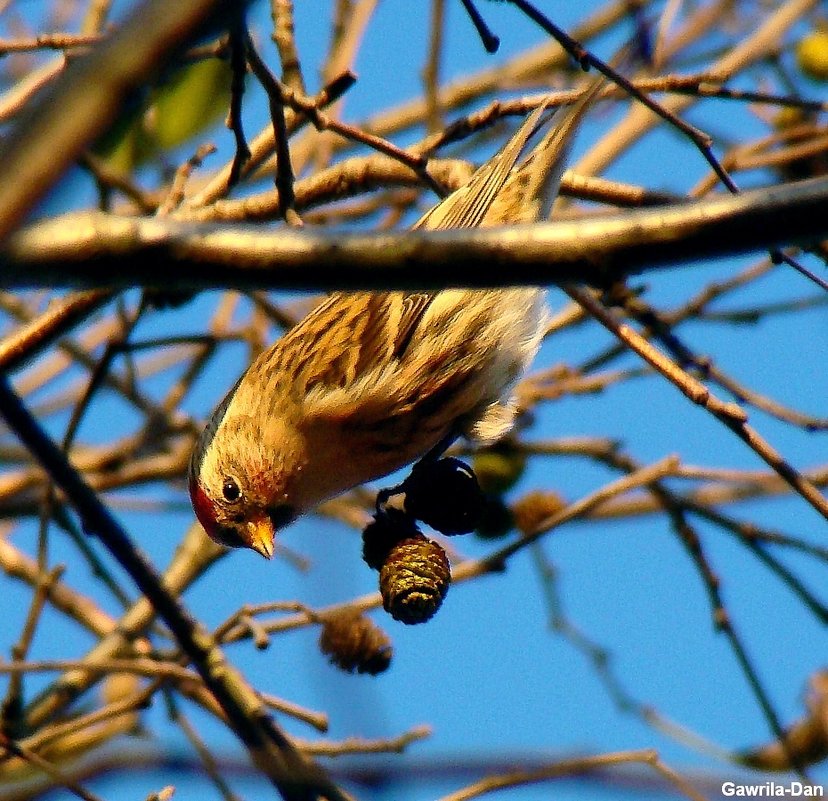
[530, 190]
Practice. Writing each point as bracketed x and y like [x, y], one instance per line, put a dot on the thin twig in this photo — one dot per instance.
[238, 67]
[54, 773]
[284, 170]
[730, 414]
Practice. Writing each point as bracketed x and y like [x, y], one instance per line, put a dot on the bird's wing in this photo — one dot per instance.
[346, 358]
[413, 306]
[344, 337]
[371, 382]
[398, 403]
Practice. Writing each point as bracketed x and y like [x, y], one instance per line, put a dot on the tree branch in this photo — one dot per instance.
[86, 98]
[98, 250]
[297, 778]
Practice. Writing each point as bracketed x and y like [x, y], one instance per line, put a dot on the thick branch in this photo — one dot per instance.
[296, 778]
[87, 97]
[96, 250]
[25, 343]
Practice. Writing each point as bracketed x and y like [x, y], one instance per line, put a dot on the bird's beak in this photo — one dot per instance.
[260, 535]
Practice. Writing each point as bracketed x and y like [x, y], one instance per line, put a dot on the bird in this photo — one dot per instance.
[369, 382]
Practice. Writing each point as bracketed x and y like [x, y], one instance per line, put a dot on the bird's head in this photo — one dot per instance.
[237, 488]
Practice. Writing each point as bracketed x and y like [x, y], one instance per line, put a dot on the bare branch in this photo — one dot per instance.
[93, 250]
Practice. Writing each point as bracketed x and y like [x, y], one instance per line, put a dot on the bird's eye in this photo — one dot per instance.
[230, 490]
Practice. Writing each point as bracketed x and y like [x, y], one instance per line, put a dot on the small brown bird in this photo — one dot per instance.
[369, 382]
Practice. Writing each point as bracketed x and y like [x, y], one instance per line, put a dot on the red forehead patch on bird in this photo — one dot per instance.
[204, 508]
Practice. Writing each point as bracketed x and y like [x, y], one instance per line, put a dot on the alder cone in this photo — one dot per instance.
[354, 643]
[414, 580]
[532, 509]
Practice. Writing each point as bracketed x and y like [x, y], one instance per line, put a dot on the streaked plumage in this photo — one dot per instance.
[370, 381]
